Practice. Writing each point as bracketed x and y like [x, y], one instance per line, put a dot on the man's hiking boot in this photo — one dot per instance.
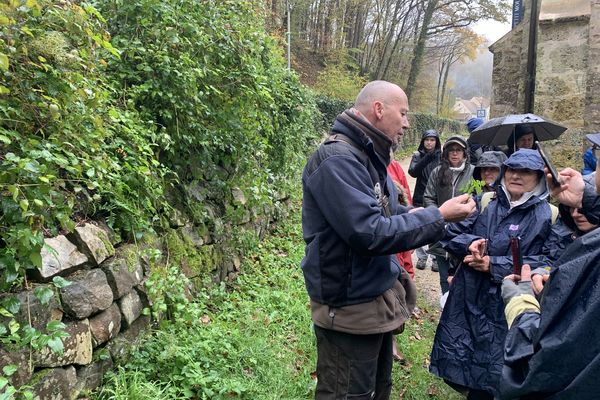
[434, 266]
[421, 264]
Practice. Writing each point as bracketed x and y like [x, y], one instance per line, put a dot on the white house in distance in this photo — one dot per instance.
[476, 107]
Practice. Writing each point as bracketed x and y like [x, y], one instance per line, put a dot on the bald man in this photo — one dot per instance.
[352, 227]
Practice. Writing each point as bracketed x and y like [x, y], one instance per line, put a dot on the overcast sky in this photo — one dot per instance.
[491, 29]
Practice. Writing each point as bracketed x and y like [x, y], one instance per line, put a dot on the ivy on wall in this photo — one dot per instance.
[111, 118]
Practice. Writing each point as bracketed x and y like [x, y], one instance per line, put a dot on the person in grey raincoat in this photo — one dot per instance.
[448, 180]
[468, 346]
[552, 350]
[488, 168]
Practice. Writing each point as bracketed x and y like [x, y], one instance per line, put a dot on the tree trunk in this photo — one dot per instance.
[415, 66]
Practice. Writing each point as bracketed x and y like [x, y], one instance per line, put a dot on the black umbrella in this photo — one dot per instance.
[497, 130]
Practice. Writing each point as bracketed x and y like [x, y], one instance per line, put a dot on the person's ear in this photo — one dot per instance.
[378, 109]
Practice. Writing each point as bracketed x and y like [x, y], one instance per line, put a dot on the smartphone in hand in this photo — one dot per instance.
[483, 248]
[551, 169]
[517, 257]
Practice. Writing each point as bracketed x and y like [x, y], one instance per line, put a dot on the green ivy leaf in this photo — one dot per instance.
[10, 369]
[56, 345]
[43, 293]
[3, 382]
[54, 326]
[36, 259]
[60, 282]
[5, 313]
[24, 204]
[12, 304]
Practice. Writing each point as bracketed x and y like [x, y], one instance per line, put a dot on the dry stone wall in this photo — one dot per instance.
[101, 308]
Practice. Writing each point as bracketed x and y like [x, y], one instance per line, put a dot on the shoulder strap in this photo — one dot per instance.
[485, 199]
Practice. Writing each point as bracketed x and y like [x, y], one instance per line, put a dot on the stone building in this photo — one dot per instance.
[566, 65]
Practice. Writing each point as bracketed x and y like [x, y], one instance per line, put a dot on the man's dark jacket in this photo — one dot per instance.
[350, 243]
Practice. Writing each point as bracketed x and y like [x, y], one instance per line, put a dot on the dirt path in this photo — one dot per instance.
[428, 282]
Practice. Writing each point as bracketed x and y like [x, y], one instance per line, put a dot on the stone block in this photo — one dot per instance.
[77, 348]
[191, 233]
[20, 358]
[54, 384]
[113, 236]
[120, 346]
[131, 308]
[94, 242]
[123, 274]
[176, 218]
[105, 325]
[89, 377]
[88, 293]
[238, 196]
[59, 257]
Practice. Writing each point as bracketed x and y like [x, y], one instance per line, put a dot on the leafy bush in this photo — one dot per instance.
[68, 150]
[330, 108]
[216, 87]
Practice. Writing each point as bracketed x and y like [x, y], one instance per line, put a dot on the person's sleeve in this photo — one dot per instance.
[418, 164]
[430, 195]
[414, 163]
[518, 350]
[342, 189]
[591, 204]
[404, 183]
[560, 237]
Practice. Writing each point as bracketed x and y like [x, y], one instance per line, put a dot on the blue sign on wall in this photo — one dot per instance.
[518, 11]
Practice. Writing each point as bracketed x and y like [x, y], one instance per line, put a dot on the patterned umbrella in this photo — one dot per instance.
[497, 130]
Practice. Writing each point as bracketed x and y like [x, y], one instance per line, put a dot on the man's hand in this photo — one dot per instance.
[570, 191]
[457, 208]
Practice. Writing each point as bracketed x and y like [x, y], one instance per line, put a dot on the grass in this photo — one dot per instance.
[253, 340]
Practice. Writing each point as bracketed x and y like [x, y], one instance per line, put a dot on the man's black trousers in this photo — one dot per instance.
[353, 366]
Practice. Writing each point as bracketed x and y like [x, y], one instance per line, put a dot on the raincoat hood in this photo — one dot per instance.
[473, 124]
[430, 133]
[525, 159]
[489, 159]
